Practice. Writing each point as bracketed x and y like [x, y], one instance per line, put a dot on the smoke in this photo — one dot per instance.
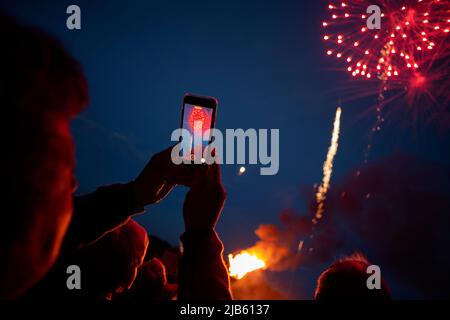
[396, 212]
[276, 244]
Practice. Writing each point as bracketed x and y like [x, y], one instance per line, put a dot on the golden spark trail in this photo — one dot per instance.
[328, 167]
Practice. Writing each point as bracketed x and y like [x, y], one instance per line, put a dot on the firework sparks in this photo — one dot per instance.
[408, 36]
[407, 54]
[328, 167]
[243, 263]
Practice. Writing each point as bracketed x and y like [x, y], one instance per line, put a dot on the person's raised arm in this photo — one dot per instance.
[202, 271]
[111, 206]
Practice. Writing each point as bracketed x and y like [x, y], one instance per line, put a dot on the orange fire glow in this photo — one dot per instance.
[243, 263]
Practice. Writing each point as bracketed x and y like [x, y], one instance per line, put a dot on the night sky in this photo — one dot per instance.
[264, 61]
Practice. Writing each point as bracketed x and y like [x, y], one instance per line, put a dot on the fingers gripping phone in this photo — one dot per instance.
[198, 114]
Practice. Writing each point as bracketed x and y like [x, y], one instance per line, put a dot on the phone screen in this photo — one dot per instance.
[197, 118]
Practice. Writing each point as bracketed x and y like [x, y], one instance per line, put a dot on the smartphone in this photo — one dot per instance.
[198, 115]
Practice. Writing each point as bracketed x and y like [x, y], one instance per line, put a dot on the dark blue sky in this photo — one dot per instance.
[262, 60]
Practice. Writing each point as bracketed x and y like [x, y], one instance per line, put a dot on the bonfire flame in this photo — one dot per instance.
[243, 263]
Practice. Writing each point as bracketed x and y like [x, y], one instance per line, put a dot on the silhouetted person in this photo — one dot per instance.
[43, 87]
[109, 265]
[346, 279]
[167, 254]
[150, 284]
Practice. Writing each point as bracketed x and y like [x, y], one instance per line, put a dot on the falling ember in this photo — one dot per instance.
[328, 167]
[300, 246]
[243, 263]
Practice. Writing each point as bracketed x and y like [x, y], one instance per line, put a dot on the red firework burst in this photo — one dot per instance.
[409, 52]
